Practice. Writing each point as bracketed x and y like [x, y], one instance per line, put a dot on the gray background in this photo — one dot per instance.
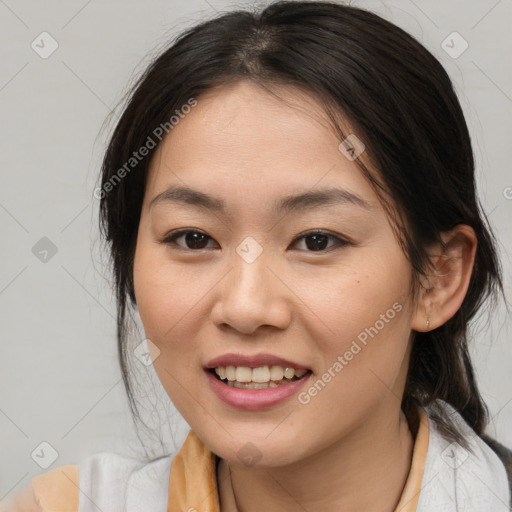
[59, 376]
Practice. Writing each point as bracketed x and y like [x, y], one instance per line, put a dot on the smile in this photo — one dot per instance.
[263, 377]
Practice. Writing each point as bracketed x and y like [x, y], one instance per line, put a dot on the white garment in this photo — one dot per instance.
[454, 480]
[112, 483]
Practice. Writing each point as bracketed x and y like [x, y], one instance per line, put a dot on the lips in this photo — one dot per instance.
[254, 399]
[248, 382]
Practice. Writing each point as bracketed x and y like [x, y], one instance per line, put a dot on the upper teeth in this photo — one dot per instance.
[260, 374]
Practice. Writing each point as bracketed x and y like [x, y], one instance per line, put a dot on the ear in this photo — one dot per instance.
[444, 288]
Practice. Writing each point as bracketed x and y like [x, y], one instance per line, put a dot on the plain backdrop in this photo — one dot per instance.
[61, 394]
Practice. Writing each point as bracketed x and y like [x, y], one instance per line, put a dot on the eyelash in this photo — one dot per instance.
[171, 239]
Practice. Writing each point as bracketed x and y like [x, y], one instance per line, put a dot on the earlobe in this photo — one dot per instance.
[444, 289]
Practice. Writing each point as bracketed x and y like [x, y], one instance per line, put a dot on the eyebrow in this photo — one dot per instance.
[303, 201]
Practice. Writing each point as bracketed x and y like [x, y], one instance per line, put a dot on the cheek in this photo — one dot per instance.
[360, 295]
[363, 350]
[167, 303]
[165, 296]
[361, 321]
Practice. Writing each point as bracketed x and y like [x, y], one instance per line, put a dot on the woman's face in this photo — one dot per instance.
[250, 280]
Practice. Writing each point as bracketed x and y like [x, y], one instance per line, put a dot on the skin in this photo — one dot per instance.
[350, 447]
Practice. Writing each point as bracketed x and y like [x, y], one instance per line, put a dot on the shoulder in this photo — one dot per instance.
[56, 489]
[477, 471]
[117, 483]
[504, 454]
[103, 481]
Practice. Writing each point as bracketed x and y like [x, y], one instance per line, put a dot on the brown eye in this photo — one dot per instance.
[192, 239]
[317, 241]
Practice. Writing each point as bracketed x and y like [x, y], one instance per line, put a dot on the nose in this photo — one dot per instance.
[251, 296]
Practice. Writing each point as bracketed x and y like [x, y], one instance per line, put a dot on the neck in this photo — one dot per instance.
[365, 470]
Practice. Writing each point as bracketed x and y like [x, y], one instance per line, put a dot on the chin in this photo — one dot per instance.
[257, 451]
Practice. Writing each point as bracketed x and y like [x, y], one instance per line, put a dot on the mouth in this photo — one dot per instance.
[262, 377]
[255, 382]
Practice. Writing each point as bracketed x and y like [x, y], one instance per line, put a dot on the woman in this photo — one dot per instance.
[289, 202]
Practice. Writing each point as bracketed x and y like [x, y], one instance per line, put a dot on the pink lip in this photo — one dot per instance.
[254, 399]
[253, 361]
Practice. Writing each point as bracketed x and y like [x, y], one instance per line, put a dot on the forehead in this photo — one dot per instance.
[241, 140]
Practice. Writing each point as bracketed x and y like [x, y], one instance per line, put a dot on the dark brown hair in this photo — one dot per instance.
[400, 102]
